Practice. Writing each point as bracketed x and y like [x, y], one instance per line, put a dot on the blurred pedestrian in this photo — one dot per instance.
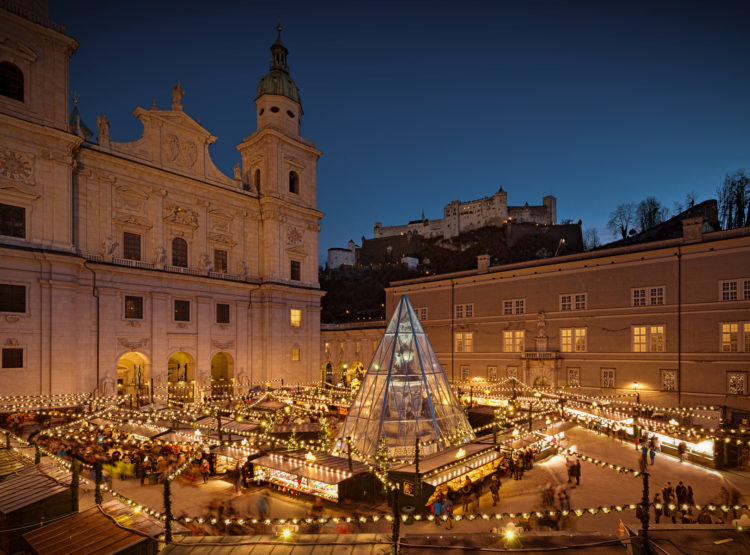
[652, 454]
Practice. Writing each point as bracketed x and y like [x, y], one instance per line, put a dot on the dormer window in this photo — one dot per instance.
[11, 81]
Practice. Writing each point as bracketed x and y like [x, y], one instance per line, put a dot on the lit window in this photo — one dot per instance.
[729, 336]
[464, 342]
[295, 317]
[295, 354]
[657, 339]
[513, 341]
[639, 339]
[648, 339]
[134, 307]
[746, 331]
[573, 340]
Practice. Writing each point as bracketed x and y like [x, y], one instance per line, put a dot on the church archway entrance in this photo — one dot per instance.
[181, 375]
[327, 372]
[222, 372]
[134, 377]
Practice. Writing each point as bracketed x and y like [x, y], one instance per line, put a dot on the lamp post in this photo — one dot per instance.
[636, 431]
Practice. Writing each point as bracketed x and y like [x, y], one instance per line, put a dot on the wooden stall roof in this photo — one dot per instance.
[10, 463]
[325, 468]
[234, 452]
[302, 544]
[304, 428]
[27, 487]
[96, 532]
[444, 458]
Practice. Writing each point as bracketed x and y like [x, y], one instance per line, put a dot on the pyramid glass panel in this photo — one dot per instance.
[404, 395]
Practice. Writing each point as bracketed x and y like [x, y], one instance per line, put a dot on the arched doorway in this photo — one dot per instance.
[326, 374]
[180, 373]
[340, 377]
[222, 372]
[134, 376]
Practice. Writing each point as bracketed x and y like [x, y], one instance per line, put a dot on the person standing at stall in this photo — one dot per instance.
[495, 489]
[205, 470]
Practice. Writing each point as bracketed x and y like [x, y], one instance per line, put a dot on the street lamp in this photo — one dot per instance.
[637, 408]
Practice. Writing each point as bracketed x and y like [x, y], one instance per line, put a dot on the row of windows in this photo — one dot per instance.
[13, 299]
[735, 289]
[735, 337]
[573, 340]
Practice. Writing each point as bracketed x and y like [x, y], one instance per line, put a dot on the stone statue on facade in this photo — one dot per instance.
[160, 255]
[205, 262]
[541, 325]
[237, 172]
[177, 94]
[109, 246]
[102, 124]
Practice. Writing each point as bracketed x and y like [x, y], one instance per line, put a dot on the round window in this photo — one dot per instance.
[289, 113]
[274, 109]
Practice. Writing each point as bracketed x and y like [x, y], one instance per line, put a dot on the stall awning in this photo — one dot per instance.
[303, 544]
[10, 463]
[325, 468]
[27, 487]
[446, 458]
[304, 428]
[234, 452]
[142, 430]
[112, 529]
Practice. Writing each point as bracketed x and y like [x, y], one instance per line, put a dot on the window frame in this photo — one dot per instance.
[175, 261]
[12, 348]
[25, 299]
[125, 307]
[174, 311]
[296, 353]
[422, 313]
[516, 339]
[647, 337]
[24, 223]
[648, 294]
[229, 313]
[492, 373]
[217, 258]
[295, 322]
[125, 243]
[462, 311]
[295, 268]
[514, 306]
[570, 371]
[603, 378]
[663, 372]
[570, 340]
[741, 290]
[16, 69]
[738, 373]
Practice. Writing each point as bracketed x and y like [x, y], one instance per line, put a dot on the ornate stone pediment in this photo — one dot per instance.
[132, 344]
[222, 238]
[18, 190]
[223, 343]
[130, 219]
[131, 199]
[179, 215]
[18, 49]
[299, 251]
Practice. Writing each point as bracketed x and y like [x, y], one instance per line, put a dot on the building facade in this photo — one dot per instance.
[668, 320]
[347, 349]
[126, 262]
[459, 217]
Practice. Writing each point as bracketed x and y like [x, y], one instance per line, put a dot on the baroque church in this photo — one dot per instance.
[130, 265]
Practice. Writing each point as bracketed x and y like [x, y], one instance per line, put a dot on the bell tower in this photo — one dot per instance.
[280, 168]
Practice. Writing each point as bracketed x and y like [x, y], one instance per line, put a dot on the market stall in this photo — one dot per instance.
[28, 498]
[316, 474]
[227, 456]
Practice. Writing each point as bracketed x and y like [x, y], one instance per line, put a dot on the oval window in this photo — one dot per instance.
[274, 109]
[261, 111]
[289, 113]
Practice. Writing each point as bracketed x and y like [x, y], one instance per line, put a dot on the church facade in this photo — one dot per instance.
[123, 263]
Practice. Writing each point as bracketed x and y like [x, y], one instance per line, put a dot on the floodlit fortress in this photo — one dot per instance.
[126, 262]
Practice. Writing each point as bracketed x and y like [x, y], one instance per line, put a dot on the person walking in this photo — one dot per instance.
[681, 493]
[652, 455]
[205, 470]
[237, 477]
[681, 450]
[466, 491]
[658, 508]
[448, 512]
[690, 497]
[495, 490]
[577, 472]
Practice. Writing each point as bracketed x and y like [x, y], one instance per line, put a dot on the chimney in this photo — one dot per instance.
[692, 230]
[483, 263]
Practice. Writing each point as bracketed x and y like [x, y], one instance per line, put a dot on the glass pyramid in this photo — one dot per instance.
[404, 395]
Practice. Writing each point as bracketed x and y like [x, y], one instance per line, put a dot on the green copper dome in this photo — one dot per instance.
[278, 81]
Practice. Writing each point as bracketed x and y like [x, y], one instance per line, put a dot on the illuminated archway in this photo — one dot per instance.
[326, 372]
[180, 368]
[133, 374]
[222, 372]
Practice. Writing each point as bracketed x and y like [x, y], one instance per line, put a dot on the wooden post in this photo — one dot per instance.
[644, 515]
[98, 498]
[167, 512]
[75, 467]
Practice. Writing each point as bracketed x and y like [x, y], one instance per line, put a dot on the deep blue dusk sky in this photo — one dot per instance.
[415, 104]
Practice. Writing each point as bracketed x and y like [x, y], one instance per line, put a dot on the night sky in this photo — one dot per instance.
[415, 104]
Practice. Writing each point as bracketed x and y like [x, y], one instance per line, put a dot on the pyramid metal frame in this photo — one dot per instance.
[404, 395]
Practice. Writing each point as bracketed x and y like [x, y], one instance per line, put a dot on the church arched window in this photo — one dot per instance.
[293, 182]
[11, 81]
[179, 252]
